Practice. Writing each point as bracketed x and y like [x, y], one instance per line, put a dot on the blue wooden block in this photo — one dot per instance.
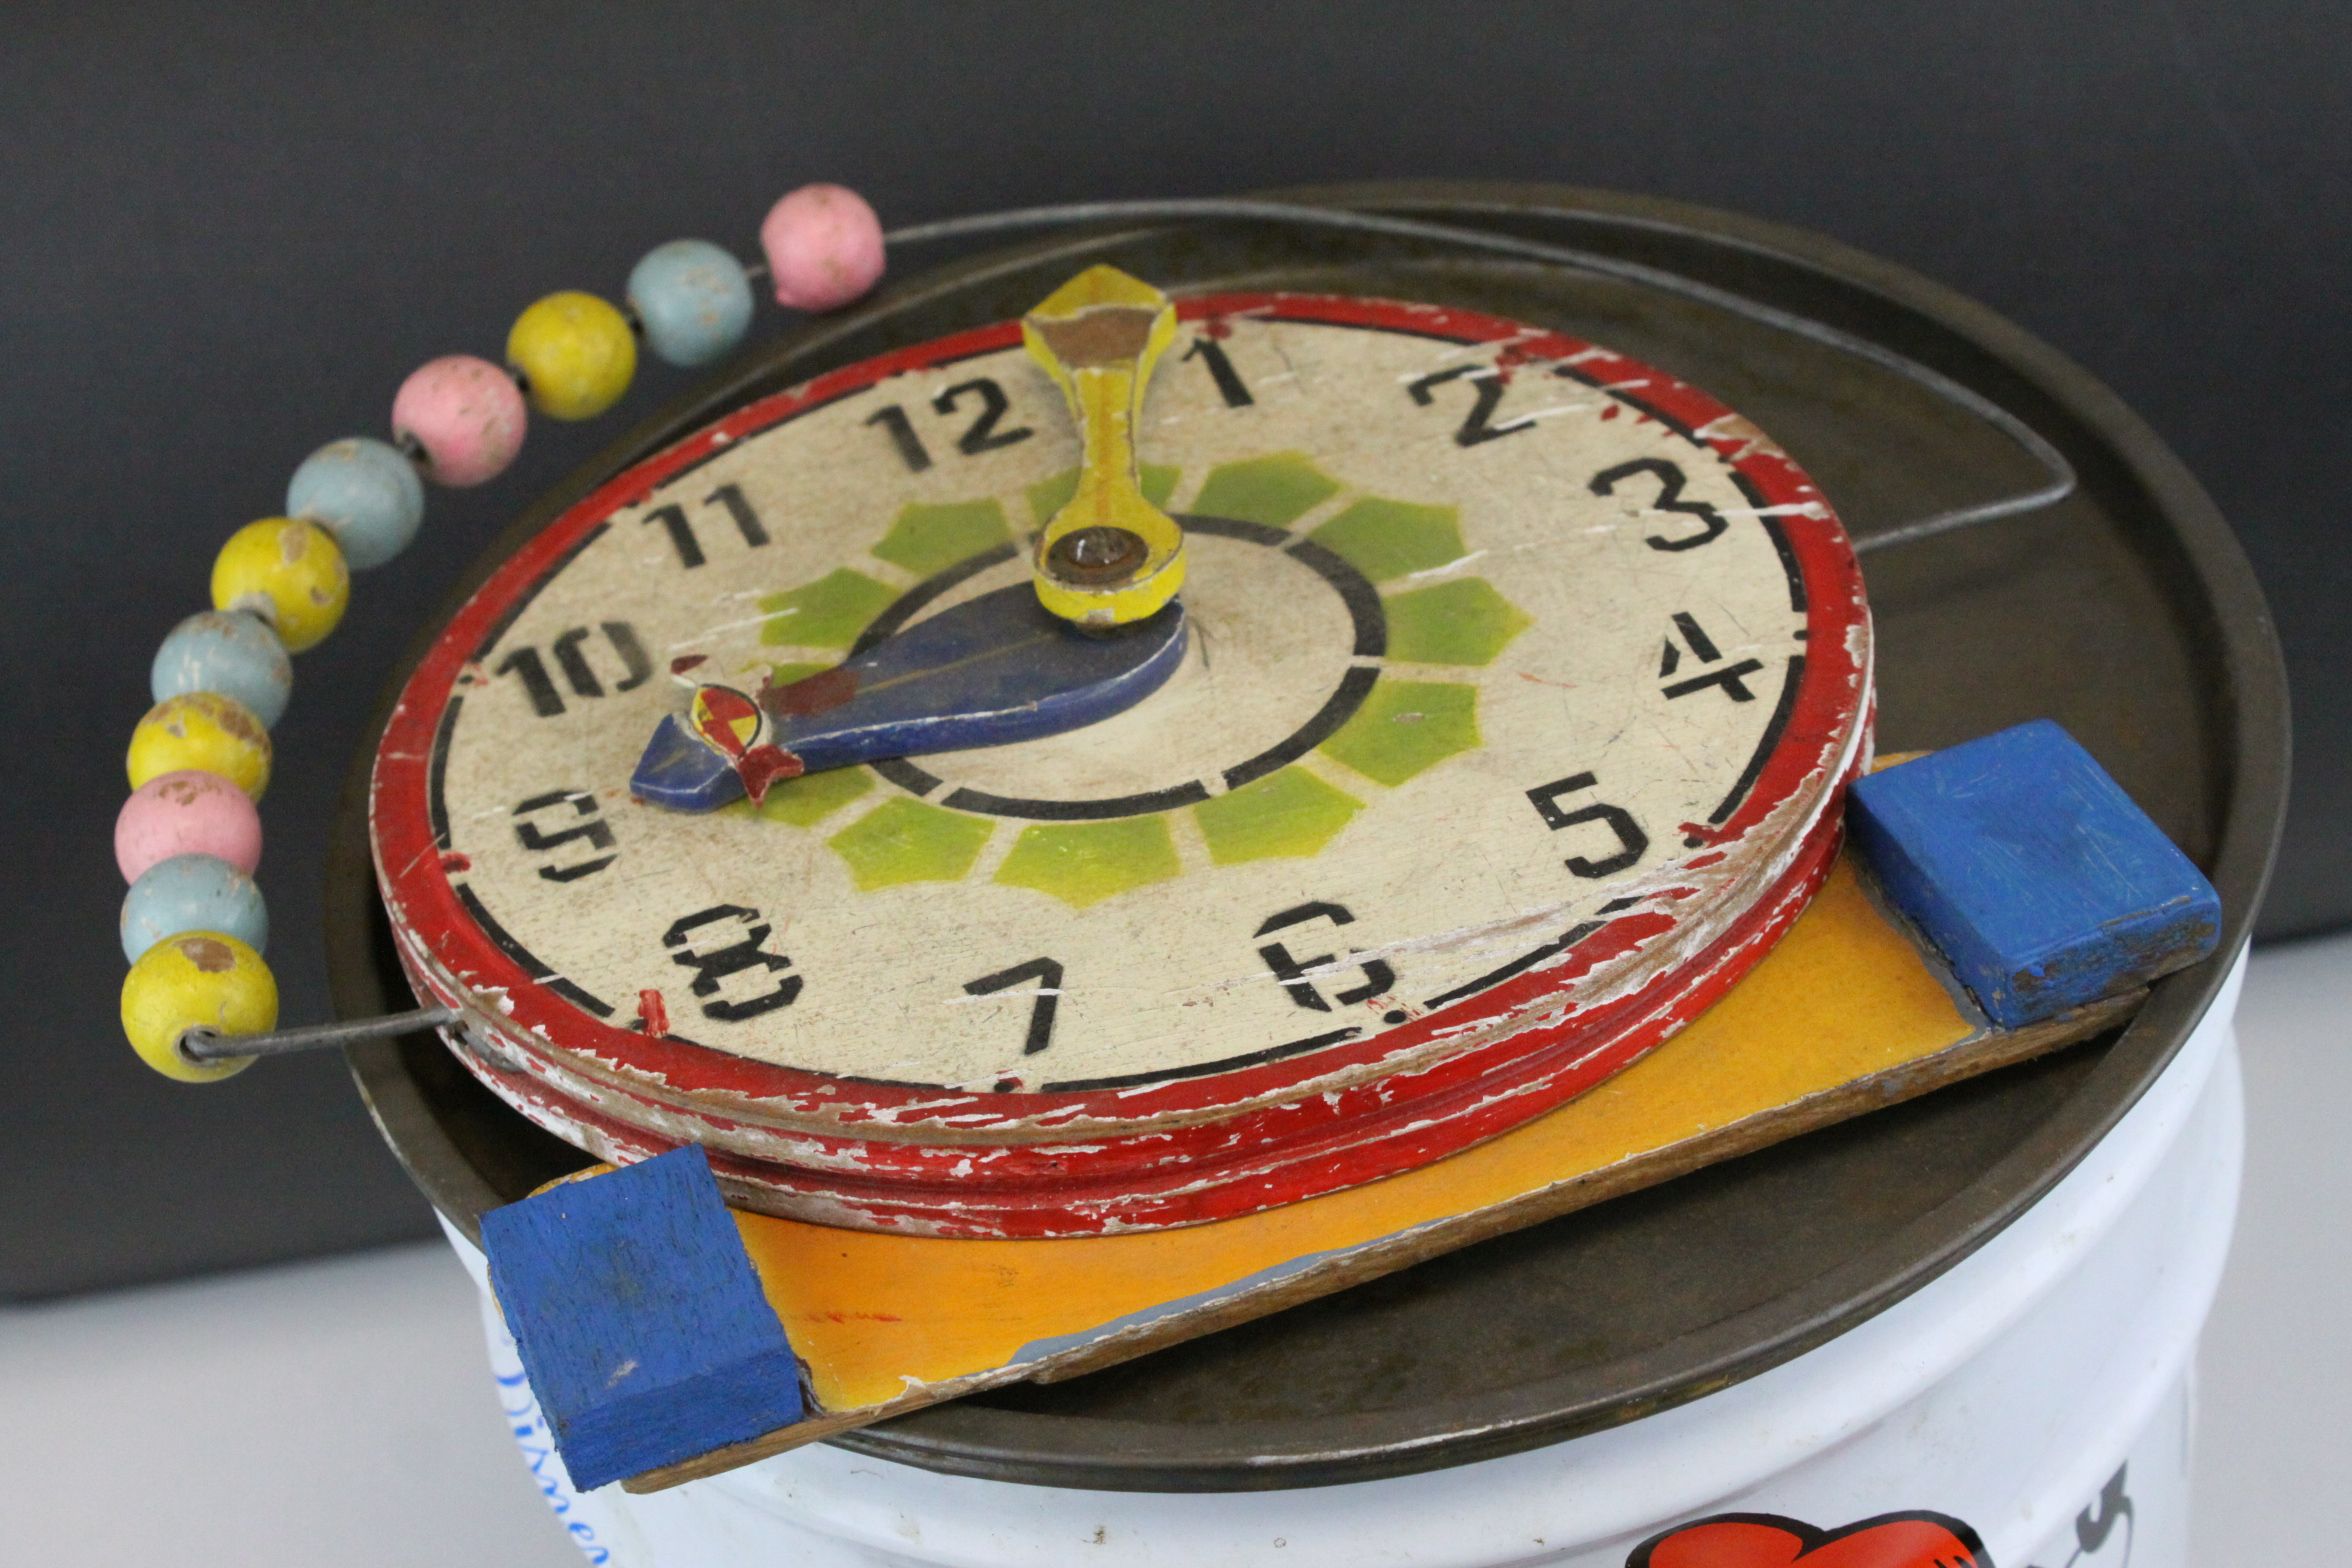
[2034, 874]
[640, 1319]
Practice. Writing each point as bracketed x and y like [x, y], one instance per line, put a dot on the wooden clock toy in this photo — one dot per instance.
[1119, 815]
[1367, 853]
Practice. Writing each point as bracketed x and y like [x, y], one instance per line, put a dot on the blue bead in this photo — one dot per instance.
[192, 893]
[365, 493]
[693, 300]
[232, 652]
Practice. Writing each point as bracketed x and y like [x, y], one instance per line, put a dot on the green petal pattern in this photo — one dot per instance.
[1404, 727]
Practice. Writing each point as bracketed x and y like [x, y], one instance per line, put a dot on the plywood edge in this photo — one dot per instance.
[1979, 1053]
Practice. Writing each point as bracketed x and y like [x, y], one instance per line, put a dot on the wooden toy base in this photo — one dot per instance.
[1847, 1014]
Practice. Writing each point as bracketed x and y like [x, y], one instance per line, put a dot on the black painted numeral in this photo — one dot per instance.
[1632, 842]
[1046, 976]
[527, 665]
[981, 435]
[1732, 678]
[1298, 974]
[721, 943]
[1669, 479]
[681, 527]
[1230, 386]
[682, 537]
[746, 521]
[586, 821]
[902, 436]
[1475, 428]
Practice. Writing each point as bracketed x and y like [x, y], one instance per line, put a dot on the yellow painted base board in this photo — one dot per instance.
[1845, 1015]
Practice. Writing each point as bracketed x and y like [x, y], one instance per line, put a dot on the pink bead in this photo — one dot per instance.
[187, 813]
[824, 247]
[466, 413]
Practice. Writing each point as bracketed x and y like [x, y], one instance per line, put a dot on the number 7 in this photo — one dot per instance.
[1047, 976]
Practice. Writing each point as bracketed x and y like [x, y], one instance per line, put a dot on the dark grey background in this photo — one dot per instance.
[227, 232]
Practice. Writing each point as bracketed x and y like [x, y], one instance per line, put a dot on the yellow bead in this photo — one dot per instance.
[576, 355]
[206, 731]
[197, 980]
[290, 572]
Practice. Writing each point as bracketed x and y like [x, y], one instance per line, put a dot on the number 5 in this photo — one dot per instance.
[1631, 840]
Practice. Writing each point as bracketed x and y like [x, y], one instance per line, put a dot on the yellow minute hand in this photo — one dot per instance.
[1109, 557]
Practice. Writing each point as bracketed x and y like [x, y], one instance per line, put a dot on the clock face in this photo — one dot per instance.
[1520, 690]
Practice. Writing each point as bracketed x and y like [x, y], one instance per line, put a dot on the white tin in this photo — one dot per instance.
[2039, 1393]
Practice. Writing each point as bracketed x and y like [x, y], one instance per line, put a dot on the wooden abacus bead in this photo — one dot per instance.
[288, 571]
[202, 730]
[574, 353]
[366, 493]
[693, 299]
[824, 247]
[233, 652]
[186, 813]
[197, 980]
[192, 893]
[465, 416]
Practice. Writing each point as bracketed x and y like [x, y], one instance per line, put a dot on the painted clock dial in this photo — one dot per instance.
[1522, 686]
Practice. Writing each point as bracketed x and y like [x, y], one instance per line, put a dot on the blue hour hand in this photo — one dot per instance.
[997, 669]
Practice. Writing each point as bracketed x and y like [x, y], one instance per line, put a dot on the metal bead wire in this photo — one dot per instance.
[205, 1046]
[2061, 482]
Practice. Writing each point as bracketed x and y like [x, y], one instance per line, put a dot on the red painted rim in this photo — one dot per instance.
[1282, 1154]
[1829, 704]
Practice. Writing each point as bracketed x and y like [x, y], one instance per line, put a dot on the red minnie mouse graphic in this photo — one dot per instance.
[1907, 1540]
[1917, 1540]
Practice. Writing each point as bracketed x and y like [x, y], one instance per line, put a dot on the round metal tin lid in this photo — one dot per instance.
[2125, 611]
